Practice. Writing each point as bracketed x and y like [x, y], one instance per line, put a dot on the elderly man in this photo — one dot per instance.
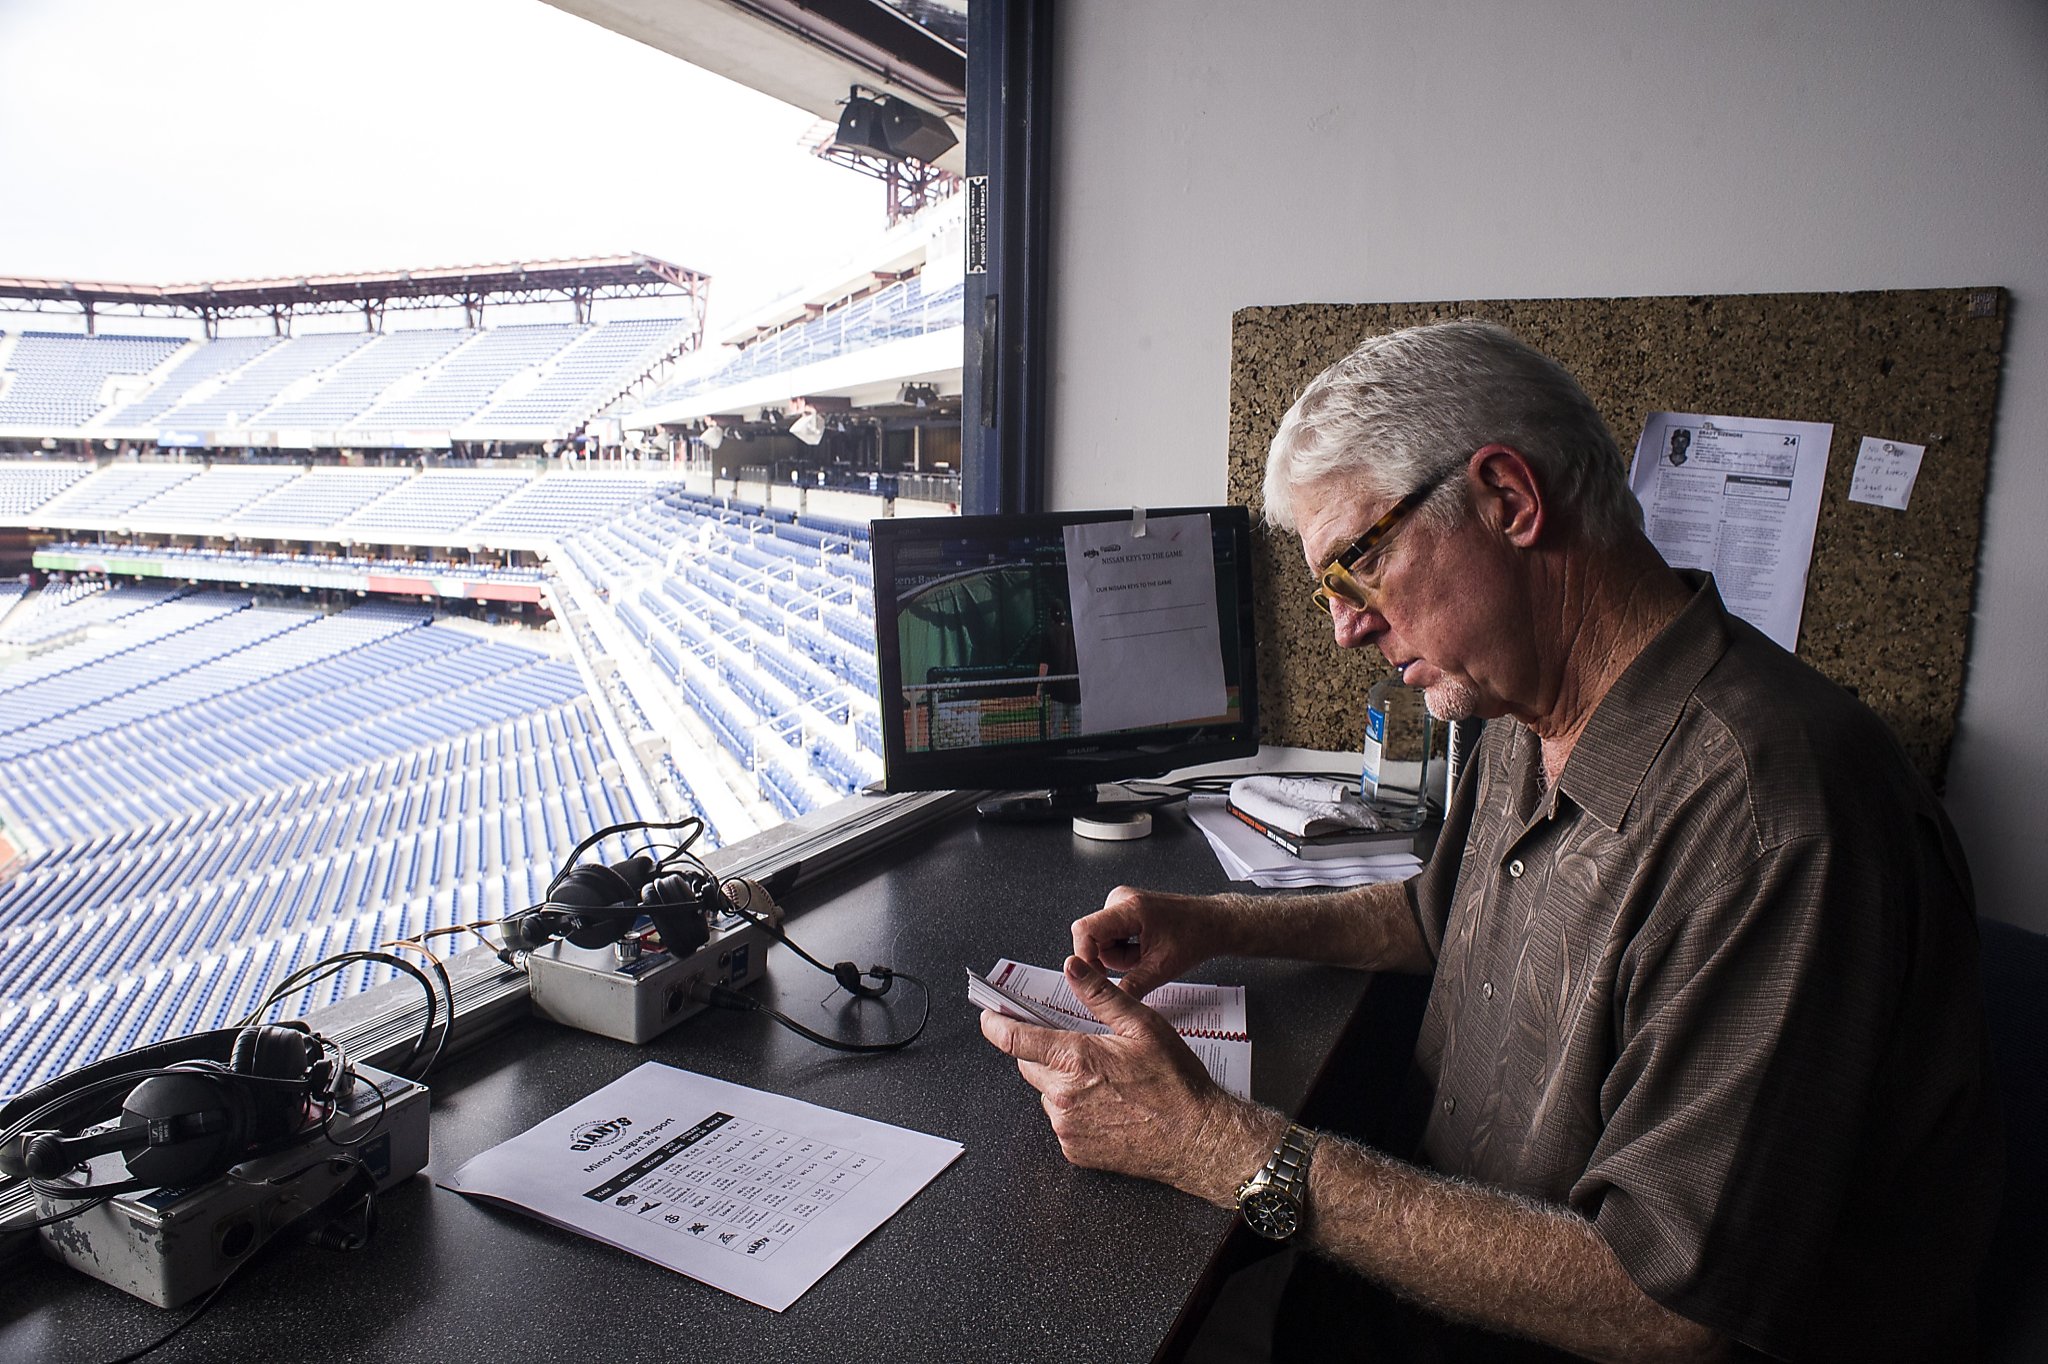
[1703, 1031]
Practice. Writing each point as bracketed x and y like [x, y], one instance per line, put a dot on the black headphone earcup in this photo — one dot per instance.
[676, 903]
[597, 887]
[274, 1051]
[592, 886]
[206, 1117]
[678, 890]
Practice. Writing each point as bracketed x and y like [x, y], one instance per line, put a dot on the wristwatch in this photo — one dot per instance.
[1275, 1200]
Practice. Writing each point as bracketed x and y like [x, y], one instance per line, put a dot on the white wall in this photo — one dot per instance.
[1211, 154]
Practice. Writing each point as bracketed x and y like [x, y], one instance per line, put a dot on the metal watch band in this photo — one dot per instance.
[1288, 1165]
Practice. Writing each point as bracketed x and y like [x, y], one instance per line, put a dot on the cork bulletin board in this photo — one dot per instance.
[1889, 593]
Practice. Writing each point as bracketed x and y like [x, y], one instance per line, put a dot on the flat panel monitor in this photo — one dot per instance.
[1063, 652]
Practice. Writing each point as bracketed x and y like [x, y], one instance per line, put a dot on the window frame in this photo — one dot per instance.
[1009, 177]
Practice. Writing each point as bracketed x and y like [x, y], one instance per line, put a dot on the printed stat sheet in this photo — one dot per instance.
[747, 1191]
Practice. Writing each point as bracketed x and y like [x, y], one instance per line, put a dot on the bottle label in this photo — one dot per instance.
[1373, 753]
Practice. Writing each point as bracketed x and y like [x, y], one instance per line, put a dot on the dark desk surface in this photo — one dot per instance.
[1009, 1254]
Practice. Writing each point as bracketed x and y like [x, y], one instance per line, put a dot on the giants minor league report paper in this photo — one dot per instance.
[747, 1191]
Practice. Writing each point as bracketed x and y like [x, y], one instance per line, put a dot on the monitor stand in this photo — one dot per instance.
[1106, 802]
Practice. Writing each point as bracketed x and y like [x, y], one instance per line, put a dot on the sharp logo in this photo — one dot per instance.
[590, 1135]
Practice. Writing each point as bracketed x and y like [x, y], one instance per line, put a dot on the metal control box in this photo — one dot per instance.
[625, 992]
[167, 1246]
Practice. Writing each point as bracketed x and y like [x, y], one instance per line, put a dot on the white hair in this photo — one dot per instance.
[1406, 410]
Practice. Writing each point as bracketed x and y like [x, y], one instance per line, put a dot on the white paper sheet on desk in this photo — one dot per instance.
[1245, 856]
[747, 1191]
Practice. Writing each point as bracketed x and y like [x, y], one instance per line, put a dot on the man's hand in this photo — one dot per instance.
[1135, 1100]
[1150, 937]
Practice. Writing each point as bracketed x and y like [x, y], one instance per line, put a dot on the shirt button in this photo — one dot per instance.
[1515, 867]
[1486, 989]
[1450, 1105]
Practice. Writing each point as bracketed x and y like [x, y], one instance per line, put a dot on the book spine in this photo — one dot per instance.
[1214, 1036]
[1273, 835]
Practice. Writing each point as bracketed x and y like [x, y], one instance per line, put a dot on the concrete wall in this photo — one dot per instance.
[1211, 154]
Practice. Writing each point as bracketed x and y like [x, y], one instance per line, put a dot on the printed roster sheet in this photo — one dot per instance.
[747, 1191]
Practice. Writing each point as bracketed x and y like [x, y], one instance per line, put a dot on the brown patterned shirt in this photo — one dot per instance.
[1716, 990]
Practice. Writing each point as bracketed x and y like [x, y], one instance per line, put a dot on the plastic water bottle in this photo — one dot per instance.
[1400, 735]
[1461, 738]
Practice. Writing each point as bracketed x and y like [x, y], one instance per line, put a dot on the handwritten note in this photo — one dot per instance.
[1885, 472]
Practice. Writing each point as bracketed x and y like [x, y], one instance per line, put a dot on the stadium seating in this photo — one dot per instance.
[24, 487]
[57, 381]
[526, 381]
[215, 791]
[206, 363]
[464, 383]
[322, 498]
[112, 492]
[74, 608]
[352, 386]
[902, 309]
[292, 783]
[211, 499]
[592, 371]
[433, 504]
[554, 506]
[257, 385]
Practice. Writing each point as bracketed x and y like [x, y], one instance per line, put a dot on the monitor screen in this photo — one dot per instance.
[1063, 650]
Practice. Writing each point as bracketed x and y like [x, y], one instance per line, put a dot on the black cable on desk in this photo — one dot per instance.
[350, 1189]
[725, 997]
[54, 1218]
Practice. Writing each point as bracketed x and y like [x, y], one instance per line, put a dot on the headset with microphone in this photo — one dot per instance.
[596, 904]
[189, 1109]
[593, 905]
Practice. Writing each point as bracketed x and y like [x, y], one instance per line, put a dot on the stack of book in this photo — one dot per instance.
[1314, 818]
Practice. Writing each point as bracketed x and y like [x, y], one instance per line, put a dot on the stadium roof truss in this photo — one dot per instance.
[470, 287]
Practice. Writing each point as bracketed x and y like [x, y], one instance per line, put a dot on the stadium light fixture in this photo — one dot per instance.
[713, 436]
[892, 128]
[809, 428]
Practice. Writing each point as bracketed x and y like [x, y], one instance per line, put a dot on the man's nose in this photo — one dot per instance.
[1353, 626]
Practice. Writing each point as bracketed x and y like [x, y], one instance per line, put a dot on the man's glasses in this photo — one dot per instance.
[1337, 579]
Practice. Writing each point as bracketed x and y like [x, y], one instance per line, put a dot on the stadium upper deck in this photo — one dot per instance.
[408, 389]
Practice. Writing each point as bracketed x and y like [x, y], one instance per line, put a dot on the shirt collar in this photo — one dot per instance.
[1633, 721]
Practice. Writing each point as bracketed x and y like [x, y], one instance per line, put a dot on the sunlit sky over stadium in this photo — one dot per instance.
[152, 142]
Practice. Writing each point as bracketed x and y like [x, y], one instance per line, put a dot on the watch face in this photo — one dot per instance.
[1270, 1213]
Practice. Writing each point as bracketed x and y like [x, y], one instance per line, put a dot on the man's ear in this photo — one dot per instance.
[1508, 495]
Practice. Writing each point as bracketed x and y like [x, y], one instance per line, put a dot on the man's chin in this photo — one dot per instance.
[1451, 698]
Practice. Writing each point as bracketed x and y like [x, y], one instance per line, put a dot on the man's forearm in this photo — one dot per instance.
[1364, 926]
[1468, 1252]
[1497, 1261]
